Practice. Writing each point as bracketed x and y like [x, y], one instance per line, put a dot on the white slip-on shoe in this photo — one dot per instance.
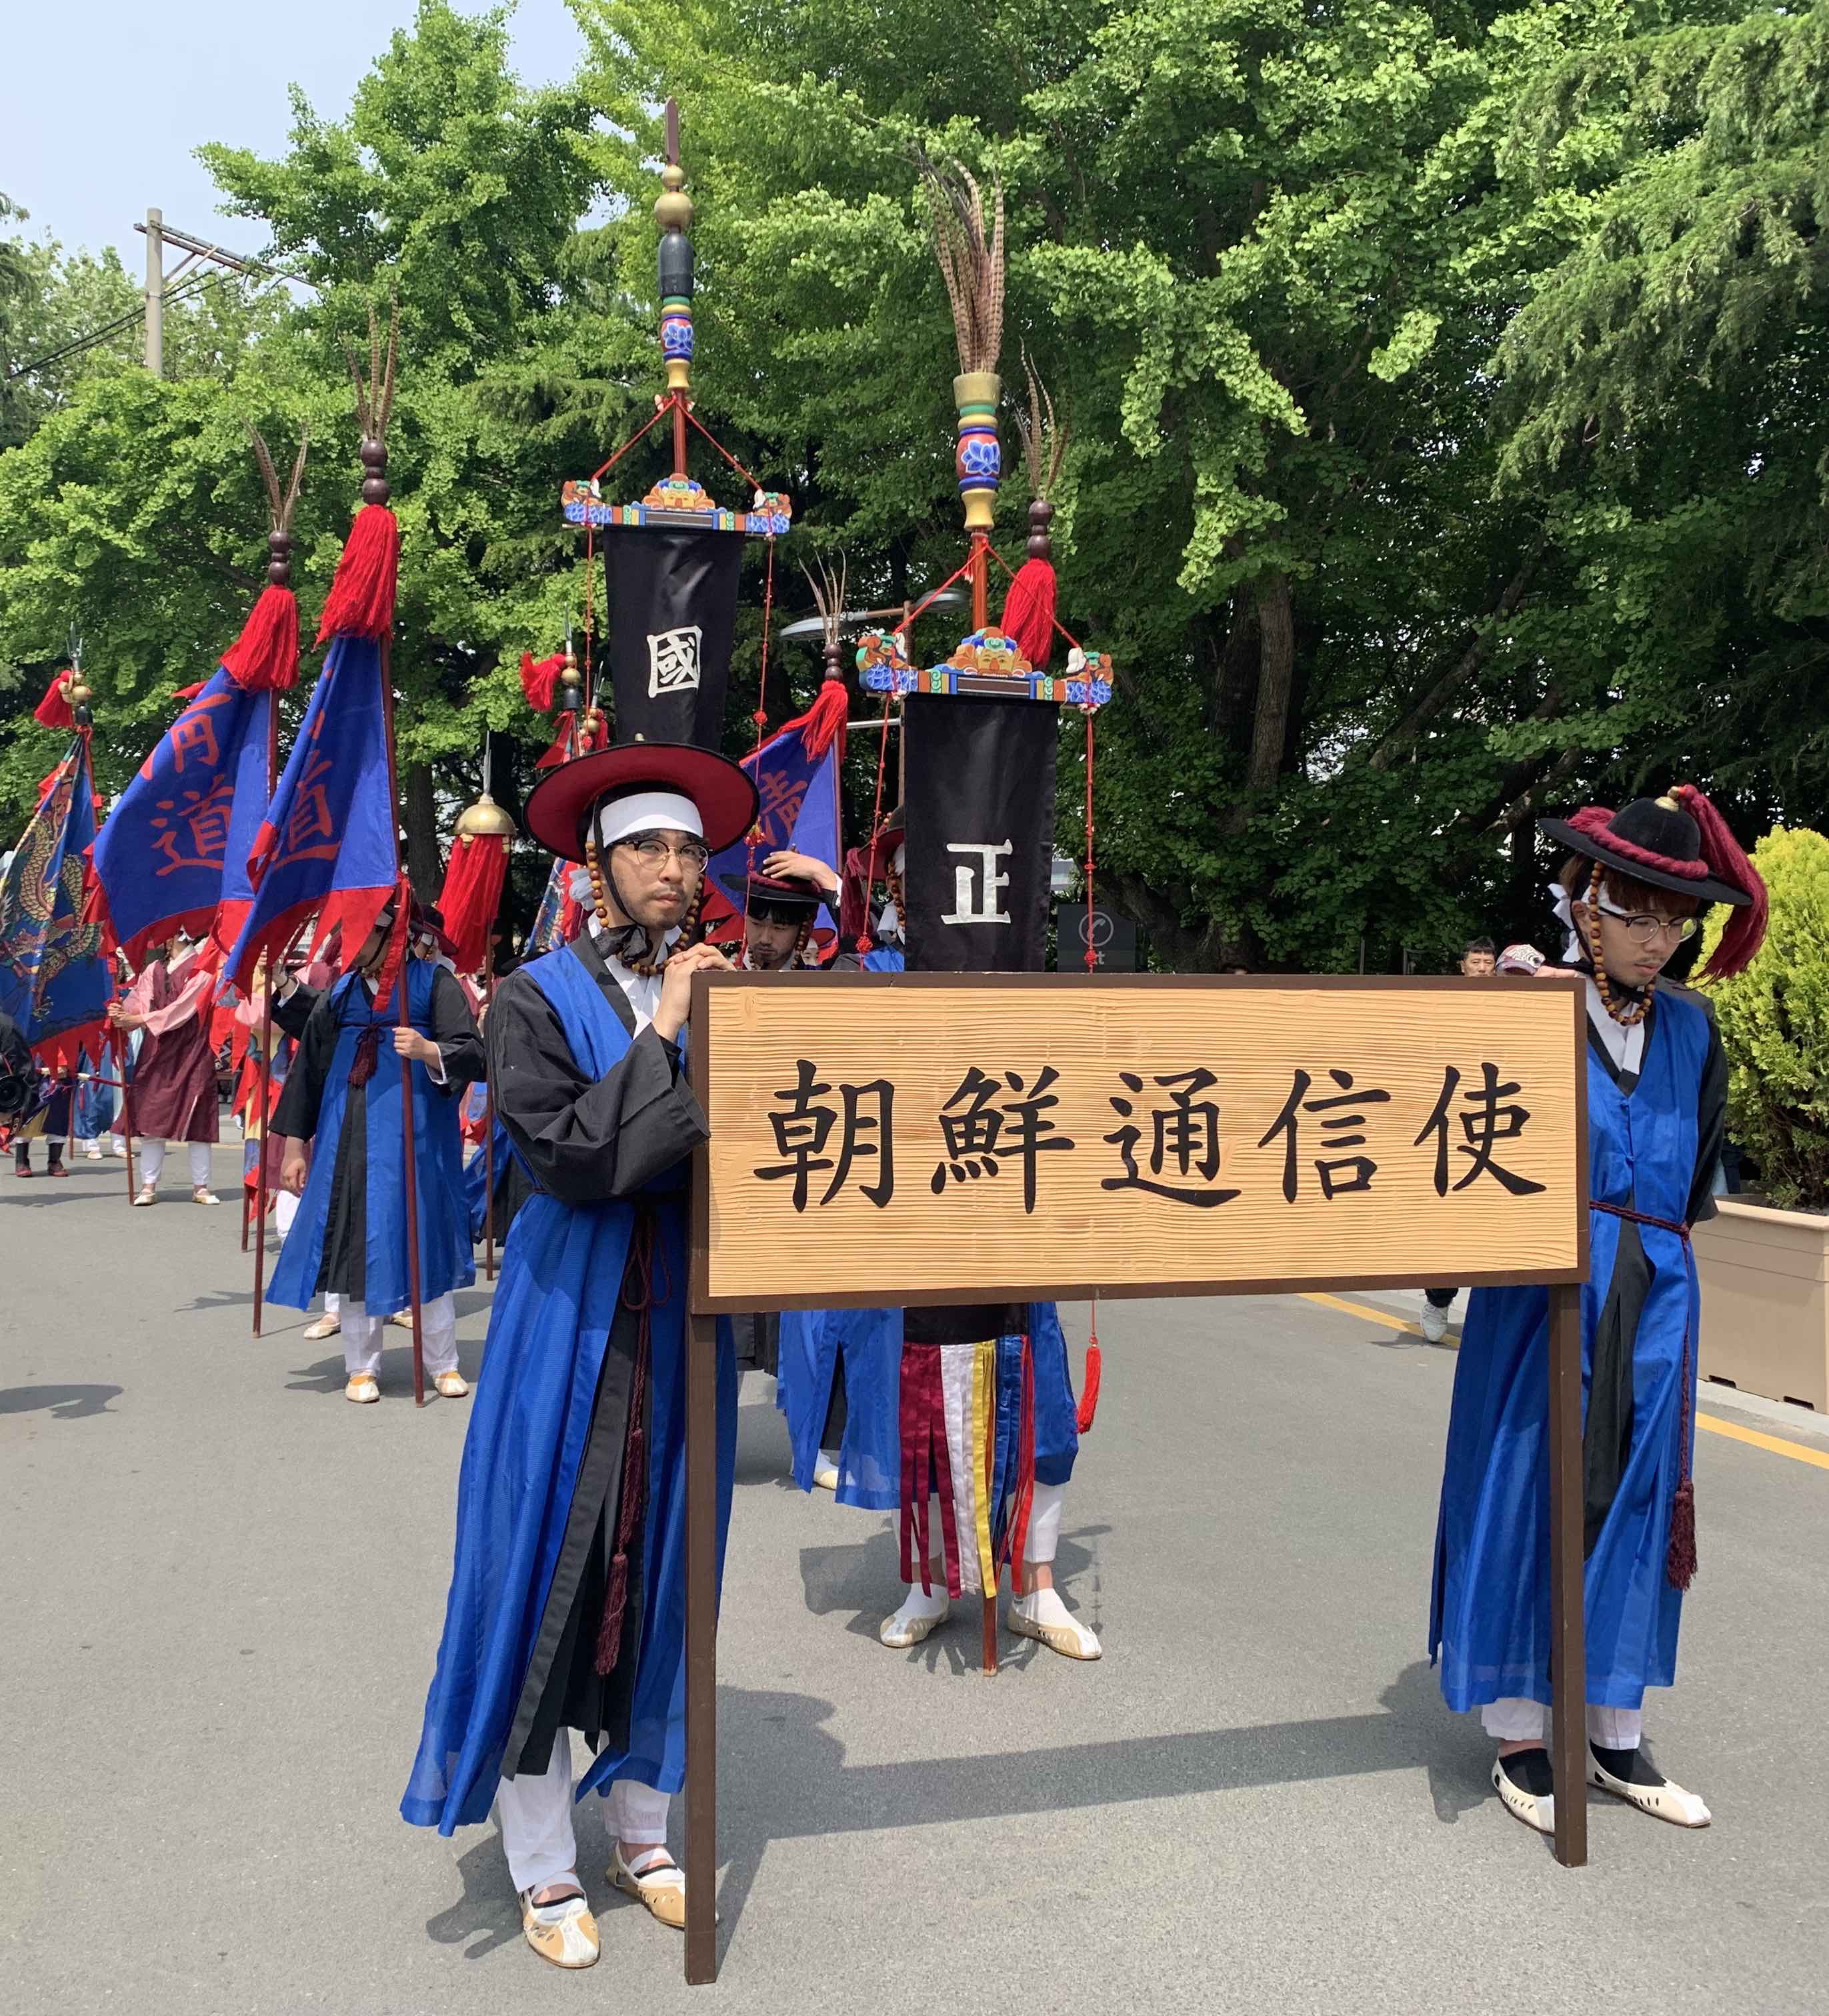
[1659, 1797]
[1535, 1808]
[563, 1934]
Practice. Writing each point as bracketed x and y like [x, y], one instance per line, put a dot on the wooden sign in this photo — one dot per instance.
[886, 1138]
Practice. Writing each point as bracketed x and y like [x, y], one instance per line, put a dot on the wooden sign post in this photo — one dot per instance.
[896, 1139]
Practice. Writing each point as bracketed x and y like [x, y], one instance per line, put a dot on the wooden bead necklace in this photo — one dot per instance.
[645, 968]
[1633, 1011]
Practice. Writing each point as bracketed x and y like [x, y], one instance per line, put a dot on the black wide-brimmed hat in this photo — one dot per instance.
[558, 808]
[790, 893]
[1680, 842]
[1653, 840]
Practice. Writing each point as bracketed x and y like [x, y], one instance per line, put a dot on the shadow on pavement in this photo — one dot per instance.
[865, 1578]
[65, 1403]
[776, 1741]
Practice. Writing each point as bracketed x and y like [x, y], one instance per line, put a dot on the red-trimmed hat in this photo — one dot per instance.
[558, 808]
[790, 892]
[1680, 842]
[871, 862]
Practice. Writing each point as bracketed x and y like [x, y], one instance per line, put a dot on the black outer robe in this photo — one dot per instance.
[583, 1141]
[343, 1271]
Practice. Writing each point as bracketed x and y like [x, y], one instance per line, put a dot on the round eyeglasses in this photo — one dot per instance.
[652, 850]
[1643, 928]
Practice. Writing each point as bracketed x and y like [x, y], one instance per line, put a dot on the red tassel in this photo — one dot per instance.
[54, 710]
[1745, 929]
[393, 964]
[190, 692]
[823, 723]
[472, 894]
[1679, 1560]
[362, 596]
[265, 657]
[540, 681]
[1028, 612]
[1089, 1392]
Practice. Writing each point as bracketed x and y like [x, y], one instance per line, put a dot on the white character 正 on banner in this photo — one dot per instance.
[985, 870]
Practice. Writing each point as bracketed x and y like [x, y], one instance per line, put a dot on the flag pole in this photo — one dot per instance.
[488, 1130]
[276, 569]
[376, 491]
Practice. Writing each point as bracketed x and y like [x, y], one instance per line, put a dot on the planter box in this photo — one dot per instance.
[1765, 1277]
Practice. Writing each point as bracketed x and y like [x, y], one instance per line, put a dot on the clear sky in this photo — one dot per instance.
[103, 102]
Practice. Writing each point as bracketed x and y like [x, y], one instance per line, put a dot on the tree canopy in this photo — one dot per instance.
[1441, 383]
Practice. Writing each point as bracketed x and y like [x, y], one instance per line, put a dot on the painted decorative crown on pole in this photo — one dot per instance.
[676, 499]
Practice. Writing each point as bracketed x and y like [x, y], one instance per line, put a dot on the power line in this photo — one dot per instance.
[183, 290]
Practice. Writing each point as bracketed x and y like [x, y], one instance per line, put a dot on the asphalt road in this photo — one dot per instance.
[222, 1593]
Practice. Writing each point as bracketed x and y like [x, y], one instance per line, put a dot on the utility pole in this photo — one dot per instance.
[155, 232]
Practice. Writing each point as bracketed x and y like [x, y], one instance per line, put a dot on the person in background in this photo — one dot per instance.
[174, 1095]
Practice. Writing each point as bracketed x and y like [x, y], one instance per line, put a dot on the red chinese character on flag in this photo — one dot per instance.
[197, 822]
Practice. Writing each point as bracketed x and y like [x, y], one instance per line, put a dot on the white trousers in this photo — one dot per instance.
[1044, 1523]
[535, 1814]
[153, 1162]
[1510, 1720]
[285, 1210]
[361, 1336]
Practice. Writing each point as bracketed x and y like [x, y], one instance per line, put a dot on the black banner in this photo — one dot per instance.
[673, 602]
[980, 801]
[978, 789]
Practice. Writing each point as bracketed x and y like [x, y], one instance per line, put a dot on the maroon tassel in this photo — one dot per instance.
[1029, 611]
[367, 1046]
[540, 680]
[265, 657]
[1745, 929]
[54, 710]
[1679, 1561]
[361, 602]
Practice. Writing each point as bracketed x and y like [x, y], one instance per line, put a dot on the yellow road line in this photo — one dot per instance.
[1798, 1451]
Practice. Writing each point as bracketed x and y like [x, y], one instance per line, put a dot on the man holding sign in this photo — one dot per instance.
[567, 1602]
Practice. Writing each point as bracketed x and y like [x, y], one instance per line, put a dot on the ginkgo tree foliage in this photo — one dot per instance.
[1439, 383]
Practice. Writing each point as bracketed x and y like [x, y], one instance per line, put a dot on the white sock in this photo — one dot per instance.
[918, 1603]
[1043, 1606]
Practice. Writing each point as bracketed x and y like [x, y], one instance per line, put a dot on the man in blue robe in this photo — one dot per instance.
[342, 1157]
[568, 1604]
[1657, 1096]
[841, 1382]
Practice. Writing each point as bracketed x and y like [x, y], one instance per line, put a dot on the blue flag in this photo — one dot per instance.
[173, 849]
[799, 808]
[53, 975]
[327, 846]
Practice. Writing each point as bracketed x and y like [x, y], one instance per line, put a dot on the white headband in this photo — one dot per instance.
[648, 811]
[898, 860]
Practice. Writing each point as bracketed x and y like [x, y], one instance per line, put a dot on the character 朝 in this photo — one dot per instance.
[1338, 1172]
[1483, 1127]
[980, 1134]
[1184, 1140]
[803, 1127]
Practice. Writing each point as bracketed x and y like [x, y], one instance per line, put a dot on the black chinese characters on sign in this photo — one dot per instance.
[1168, 1143]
